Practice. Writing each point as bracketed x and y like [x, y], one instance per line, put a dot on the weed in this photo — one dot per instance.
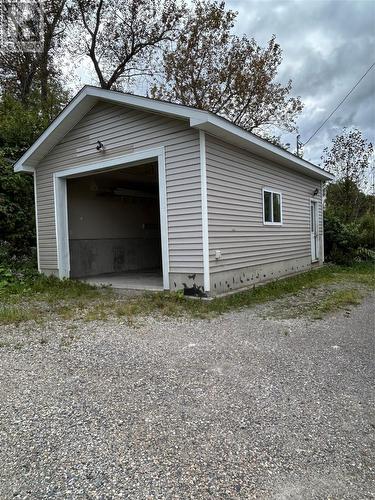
[14, 315]
[337, 300]
[99, 312]
[66, 312]
[23, 300]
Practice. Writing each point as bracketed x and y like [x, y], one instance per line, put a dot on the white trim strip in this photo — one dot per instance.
[206, 253]
[227, 131]
[315, 202]
[61, 204]
[163, 217]
[36, 220]
[61, 224]
[20, 164]
[118, 161]
[322, 221]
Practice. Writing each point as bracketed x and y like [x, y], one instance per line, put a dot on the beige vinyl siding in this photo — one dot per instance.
[125, 130]
[235, 180]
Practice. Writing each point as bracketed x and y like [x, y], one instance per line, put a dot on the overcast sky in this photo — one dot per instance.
[327, 46]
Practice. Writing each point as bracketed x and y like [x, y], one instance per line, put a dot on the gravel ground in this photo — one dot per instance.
[235, 407]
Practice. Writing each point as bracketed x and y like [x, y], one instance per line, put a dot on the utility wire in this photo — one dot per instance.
[341, 102]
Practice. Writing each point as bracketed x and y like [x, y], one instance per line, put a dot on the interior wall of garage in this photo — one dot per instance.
[108, 233]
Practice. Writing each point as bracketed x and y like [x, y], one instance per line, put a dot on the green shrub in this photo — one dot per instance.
[347, 243]
[367, 231]
[341, 240]
[17, 221]
[15, 268]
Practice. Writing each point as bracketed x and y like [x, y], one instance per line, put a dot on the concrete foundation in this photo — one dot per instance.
[222, 282]
[177, 280]
[227, 281]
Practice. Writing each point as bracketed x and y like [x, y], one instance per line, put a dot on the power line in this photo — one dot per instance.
[341, 102]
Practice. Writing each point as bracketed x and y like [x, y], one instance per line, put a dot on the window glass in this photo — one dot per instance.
[276, 208]
[267, 207]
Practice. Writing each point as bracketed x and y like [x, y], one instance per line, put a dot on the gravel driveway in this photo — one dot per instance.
[235, 407]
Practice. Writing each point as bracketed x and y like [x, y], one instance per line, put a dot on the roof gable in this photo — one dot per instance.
[203, 120]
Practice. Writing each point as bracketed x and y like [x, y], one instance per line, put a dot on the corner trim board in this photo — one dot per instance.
[36, 219]
[206, 255]
[61, 204]
[322, 221]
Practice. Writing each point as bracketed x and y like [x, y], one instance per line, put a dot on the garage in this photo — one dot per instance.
[114, 227]
[138, 193]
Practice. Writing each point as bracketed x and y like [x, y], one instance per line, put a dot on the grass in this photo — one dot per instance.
[175, 305]
[42, 297]
[339, 299]
[14, 315]
[49, 289]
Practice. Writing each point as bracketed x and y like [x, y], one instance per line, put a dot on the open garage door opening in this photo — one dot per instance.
[114, 228]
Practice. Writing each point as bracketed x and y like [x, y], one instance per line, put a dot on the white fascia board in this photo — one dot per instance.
[147, 104]
[64, 122]
[88, 96]
[235, 135]
[23, 168]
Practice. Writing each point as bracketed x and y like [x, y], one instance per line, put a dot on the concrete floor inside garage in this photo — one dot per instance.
[132, 280]
[114, 228]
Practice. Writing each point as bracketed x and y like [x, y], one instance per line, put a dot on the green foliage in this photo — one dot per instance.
[366, 228]
[349, 213]
[347, 242]
[15, 270]
[339, 299]
[20, 125]
[342, 199]
[17, 219]
[27, 283]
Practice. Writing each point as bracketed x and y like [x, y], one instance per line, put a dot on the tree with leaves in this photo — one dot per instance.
[123, 35]
[20, 125]
[349, 157]
[349, 160]
[349, 219]
[28, 74]
[210, 68]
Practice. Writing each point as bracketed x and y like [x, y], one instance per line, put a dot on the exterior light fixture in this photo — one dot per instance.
[316, 191]
[100, 146]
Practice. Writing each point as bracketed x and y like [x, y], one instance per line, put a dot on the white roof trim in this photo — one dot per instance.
[202, 120]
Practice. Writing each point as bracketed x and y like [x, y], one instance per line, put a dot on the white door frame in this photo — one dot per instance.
[314, 236]
[61, 203]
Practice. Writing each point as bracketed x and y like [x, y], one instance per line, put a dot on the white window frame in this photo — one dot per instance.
[272, 191]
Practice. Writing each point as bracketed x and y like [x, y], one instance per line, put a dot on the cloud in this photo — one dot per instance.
[327, 46]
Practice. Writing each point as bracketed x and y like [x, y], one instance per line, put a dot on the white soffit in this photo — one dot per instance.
[88, 96]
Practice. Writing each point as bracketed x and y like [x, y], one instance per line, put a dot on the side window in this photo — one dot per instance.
[272, 207]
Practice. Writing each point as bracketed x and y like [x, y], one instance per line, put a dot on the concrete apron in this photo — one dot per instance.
[140, 280]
